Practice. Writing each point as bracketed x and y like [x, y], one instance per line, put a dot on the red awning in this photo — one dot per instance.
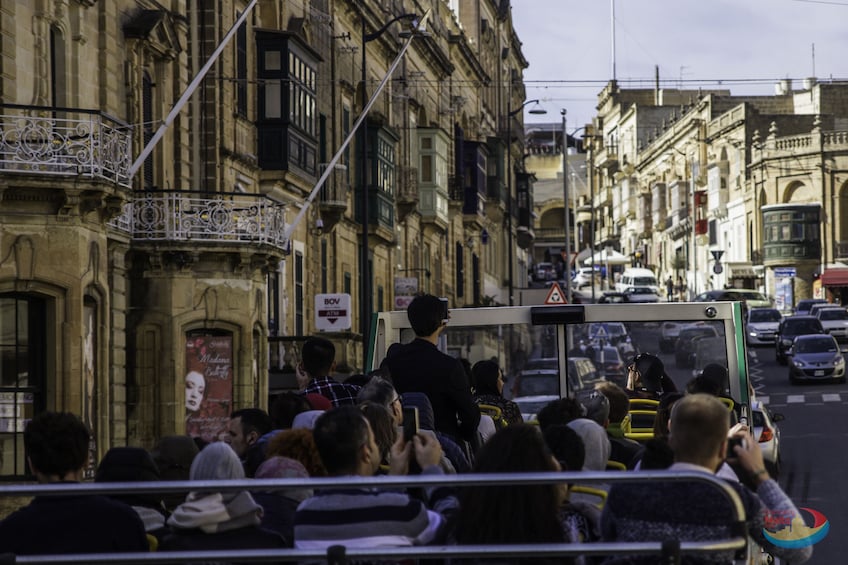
[835, 277]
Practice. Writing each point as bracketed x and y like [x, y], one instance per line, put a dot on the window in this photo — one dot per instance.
[241, 68]
[147, 126]
[298, 293]
[324, 266]
[23, 322]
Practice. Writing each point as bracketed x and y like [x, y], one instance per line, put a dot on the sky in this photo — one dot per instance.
[748, 45]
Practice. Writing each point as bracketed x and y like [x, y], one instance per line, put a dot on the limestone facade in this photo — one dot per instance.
[119, 276]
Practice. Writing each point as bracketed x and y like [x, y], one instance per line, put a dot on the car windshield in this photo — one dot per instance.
[823, 345]
[833, 314]
[752, 296]
[801, 327]
[765, 315]
[639, 290]
[644, 281]
[535, 385]
[541, 364]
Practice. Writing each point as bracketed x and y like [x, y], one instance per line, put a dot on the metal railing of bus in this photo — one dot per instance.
[670, 550]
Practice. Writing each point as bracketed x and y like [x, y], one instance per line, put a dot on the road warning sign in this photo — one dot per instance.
[555, 295]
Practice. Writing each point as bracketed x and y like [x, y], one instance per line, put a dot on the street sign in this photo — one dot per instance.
[718, 269]
[555, 295]
[332, 312]
[785, 272]
[717, 253]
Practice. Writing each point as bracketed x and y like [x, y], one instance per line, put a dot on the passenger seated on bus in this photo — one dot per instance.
[279, 505]
[319, 362]
[130, 464]
[363, 517]
[489, 383]
[566, 445]
[419, 366]
[384, 428]
[298, 444]
[646, 377]
[459, 458]
[560, 411]
[656, 455]
[173, 456]
[520, 514]
[595, 442]
[218, 520]
[622, 449]
[382, 391]
[656, 511]
[244, 429]
[56, 445]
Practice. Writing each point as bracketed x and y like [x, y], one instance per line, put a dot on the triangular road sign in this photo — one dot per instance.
[555, 295]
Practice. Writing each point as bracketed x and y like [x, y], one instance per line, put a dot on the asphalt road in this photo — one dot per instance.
[814, 446]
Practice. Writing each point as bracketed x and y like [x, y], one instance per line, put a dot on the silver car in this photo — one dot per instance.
[815, 357]
[761, 325]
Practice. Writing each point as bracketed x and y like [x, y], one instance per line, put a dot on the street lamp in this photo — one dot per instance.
[365, 269]
[536, 110]
[566, 220]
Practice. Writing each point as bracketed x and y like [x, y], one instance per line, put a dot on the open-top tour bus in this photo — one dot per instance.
[541, 349]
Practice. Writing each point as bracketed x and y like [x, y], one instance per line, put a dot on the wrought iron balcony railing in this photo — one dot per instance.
[64, 141]
[194, 216]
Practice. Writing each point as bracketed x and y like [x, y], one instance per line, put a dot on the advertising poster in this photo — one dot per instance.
[208, 385]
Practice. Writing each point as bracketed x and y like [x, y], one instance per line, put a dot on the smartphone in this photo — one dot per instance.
[410, 422]
[734, 441]
[444, 309]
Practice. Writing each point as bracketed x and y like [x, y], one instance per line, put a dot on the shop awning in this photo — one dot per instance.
[741, 271]
[835, 277]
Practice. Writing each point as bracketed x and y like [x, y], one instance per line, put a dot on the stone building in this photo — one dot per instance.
[685, 177]
[155, 295]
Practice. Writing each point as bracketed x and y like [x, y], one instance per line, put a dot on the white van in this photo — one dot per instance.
[637, 277]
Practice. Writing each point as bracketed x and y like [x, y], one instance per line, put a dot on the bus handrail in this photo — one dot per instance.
[389, 481]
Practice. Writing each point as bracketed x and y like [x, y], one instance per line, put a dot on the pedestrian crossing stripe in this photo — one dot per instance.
[555, 295]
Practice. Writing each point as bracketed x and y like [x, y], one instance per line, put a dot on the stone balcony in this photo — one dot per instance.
[39, 140]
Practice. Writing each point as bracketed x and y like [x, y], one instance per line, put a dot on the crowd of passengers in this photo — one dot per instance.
[337, 429]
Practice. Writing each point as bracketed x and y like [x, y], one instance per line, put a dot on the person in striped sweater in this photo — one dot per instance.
[367, 517]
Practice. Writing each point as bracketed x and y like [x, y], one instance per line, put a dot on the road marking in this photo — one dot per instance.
[794, 398]
[763, 399]
[831, 398]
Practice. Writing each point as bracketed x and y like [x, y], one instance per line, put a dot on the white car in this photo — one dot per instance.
[835, 322]
[764, 429]
[761, 325]
[668, 336]
[530, 405]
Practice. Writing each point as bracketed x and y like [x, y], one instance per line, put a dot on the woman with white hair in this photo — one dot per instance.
[210, 520]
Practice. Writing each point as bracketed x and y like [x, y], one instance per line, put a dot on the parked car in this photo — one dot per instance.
[583, 276]
[791, 327]
[802, 308]
[668, 336]
[751, 298]
[612, 297]
[640, 294]
[610, 365]
[835, 322]
[816, 357]
[684, 350]
[761, 324]
[764, 428]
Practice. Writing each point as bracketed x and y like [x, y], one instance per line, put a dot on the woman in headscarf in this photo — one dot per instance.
[210, 520]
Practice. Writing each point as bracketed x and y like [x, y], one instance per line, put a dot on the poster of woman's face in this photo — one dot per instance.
[208, 385]
[195, 388]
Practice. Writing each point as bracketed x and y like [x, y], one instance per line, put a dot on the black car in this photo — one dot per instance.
[802, 308]
[791, 327]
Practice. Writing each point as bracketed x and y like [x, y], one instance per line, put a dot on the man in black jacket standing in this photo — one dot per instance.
[419, 366]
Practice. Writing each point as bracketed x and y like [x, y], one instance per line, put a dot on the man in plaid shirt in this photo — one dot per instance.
[319, 360]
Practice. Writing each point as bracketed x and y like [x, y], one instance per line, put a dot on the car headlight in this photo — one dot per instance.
[753, 333]
[839, 360]
[798, 363]
[786, 342]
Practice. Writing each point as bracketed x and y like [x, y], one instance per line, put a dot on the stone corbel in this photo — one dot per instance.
[70, 205]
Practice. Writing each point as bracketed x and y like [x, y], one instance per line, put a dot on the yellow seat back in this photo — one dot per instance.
[616, 466]
[600, 494]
